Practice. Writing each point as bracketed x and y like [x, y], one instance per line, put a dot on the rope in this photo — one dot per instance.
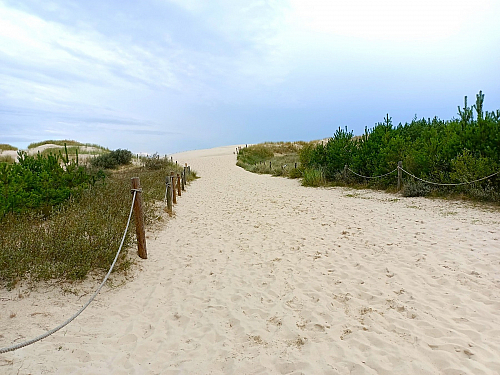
[382, 175]
[46, 334]
[457, 184]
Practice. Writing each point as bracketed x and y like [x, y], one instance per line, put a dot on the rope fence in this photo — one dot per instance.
[400, 170]
[173, 183]
[64, 324]
[380, 176]
[456, 184]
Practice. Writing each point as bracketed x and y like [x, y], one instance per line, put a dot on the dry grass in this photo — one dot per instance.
[82, 235]
[7, 147]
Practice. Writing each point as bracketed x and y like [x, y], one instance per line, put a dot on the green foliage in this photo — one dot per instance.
[7, 147]
[40, 182]
[313, 177]
[453, 151]
[112, 159]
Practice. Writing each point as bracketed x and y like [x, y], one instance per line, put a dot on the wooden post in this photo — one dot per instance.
[179, 184]
[269, 165]
[345, 172]
[169, 195]
[184, 179]
[295, 165]
[400, 173]
[174, 193]
[189, 169]
[139, 219]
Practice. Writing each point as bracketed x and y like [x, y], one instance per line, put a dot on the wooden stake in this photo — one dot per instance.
[169, 195]
[174, 193]
[139, 219]
[400, 174]
[178, 184]
[183, 179]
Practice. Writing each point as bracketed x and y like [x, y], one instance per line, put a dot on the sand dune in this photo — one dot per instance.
[259, 275]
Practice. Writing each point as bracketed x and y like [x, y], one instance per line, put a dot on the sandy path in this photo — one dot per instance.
[258, 275]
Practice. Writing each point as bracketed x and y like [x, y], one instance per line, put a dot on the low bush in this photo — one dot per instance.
[415, 189]
[37, 182]
[112, 159]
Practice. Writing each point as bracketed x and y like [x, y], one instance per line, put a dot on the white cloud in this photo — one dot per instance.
[386, 19]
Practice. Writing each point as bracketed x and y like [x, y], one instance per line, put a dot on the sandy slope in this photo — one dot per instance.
[258, 275]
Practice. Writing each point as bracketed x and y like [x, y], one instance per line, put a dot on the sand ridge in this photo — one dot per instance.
[259, 275]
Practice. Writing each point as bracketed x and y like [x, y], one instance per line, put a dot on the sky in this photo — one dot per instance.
[175, 75]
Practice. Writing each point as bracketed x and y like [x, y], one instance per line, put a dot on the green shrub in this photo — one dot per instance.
[415, 189]
[112, 159]
[38, 182]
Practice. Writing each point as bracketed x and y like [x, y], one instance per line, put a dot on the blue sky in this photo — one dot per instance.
[173, 75]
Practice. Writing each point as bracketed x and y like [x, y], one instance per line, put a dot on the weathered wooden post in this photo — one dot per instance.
[179, 184]
[345, 172]
[184, 178]
[174, 193]
[169, 194]
[400, 173]
[295, 165]
[189, 169]
[139, 219]
[269, 165]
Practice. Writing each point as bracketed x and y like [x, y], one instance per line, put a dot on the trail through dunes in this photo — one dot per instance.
[259, 275]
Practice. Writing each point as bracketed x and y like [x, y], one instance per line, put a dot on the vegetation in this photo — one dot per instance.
[41, 182]
[454, 151]
[112, 159]
[277, 158]
[7, 147]
[68, 240]
[6, 159]
[66, 142]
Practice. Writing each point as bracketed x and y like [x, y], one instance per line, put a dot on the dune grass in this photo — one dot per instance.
[83, 234]
[276, 158]
[7, 147]
[68, 143]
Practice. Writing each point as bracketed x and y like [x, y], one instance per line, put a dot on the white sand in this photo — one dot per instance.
[258, 275]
